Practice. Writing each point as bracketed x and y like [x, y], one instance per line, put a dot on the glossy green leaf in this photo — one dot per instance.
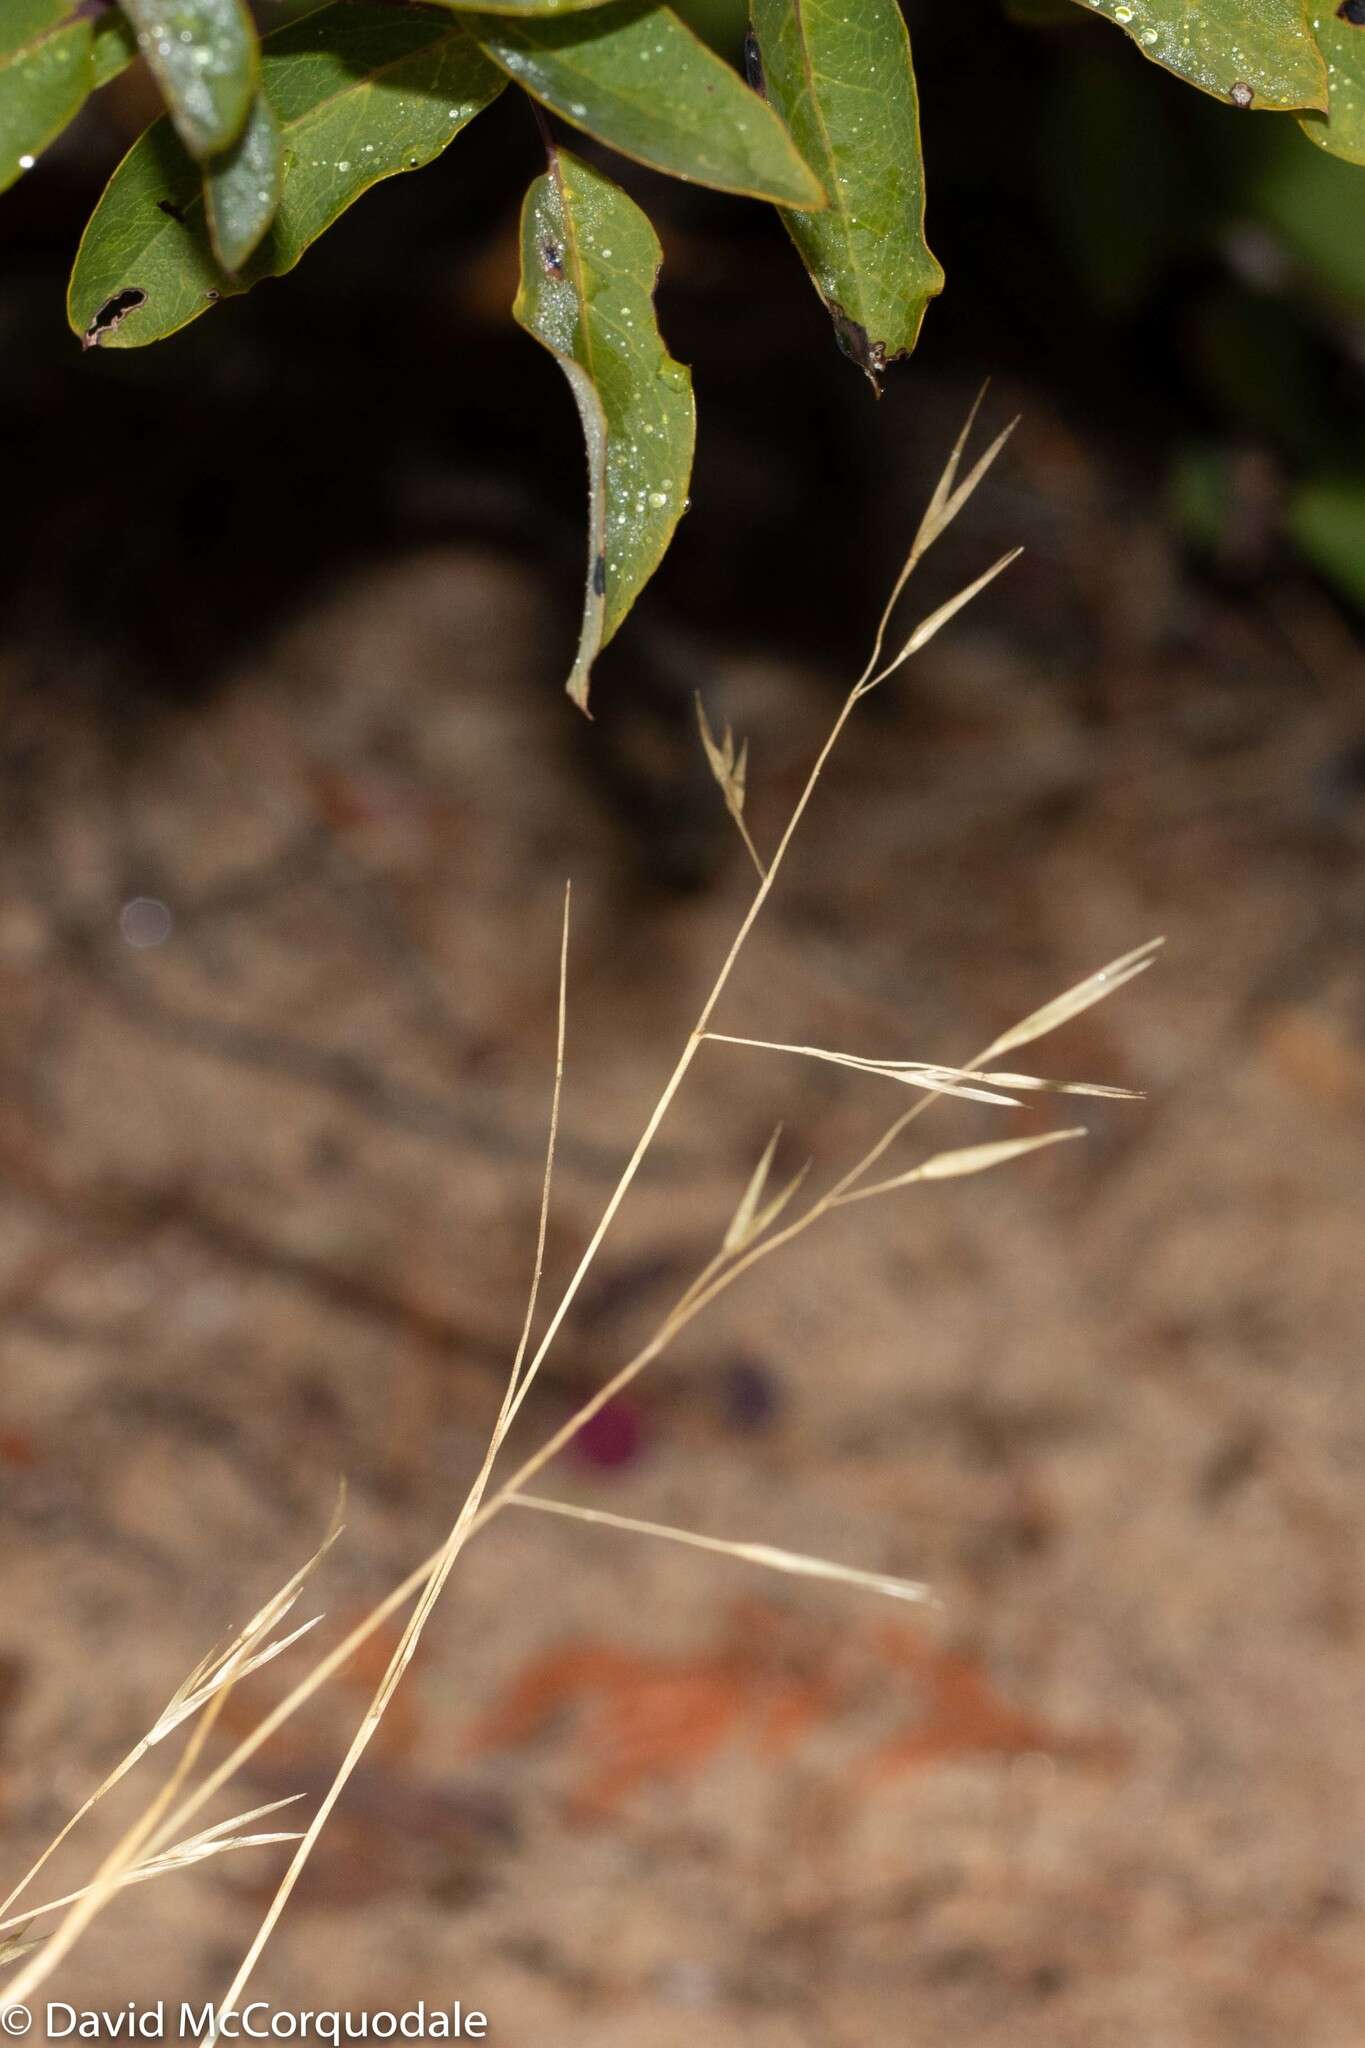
[842, 80]
[24, 22]
[49, 65]
[115, 46]
[45, 79]
[203, 56]
[361, 92]
[1327, 519]
[242, 187]
[636, 77]
[1251, 53]
[1342, 43]
[589, 261]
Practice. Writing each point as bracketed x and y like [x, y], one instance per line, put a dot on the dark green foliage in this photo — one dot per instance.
[266, 143]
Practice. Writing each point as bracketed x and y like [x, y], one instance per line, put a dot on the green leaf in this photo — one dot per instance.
[541, 8]
[361, 92]
[589, 262]
[636, 77]
[26, 21]
[1311, 203]
[844, 84]
[50, 63]
[45, 79]
[203, 56]
[1327, 519]
[242, 188]
[1342, 43]
[115, 47]
[1252, 53]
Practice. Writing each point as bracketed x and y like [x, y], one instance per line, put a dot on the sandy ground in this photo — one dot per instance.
[267, 1209]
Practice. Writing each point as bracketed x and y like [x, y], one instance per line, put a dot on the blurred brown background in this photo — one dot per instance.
[290, 795]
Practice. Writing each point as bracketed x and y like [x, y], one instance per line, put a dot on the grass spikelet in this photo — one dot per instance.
[766, 1555]
[937, 620]
[221, 1839]
[1103, 982]
[731, 769]
[946, 501]
[965, 1159]
[237, 1658]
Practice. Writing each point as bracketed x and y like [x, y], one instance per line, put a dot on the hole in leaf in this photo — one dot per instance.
[1352, 11]
[112, 314]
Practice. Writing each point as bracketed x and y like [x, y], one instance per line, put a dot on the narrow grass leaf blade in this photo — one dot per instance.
[361, 92]
[1251, 53]
[589, 262]
[204, 56]
[636, 77]
[1073, 1001]
[46, 75]
[242, 188]
[1341, 39]
[843, 81]
[767, 1555]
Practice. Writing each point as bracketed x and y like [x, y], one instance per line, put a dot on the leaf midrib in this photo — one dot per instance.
[830, 165]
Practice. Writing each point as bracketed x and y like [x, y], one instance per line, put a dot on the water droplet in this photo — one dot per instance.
[26, 163]
[658, 499]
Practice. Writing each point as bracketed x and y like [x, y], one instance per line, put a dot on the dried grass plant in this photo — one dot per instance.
[764, 1222]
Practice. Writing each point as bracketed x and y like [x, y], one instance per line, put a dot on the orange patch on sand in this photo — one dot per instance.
[639, 1719]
